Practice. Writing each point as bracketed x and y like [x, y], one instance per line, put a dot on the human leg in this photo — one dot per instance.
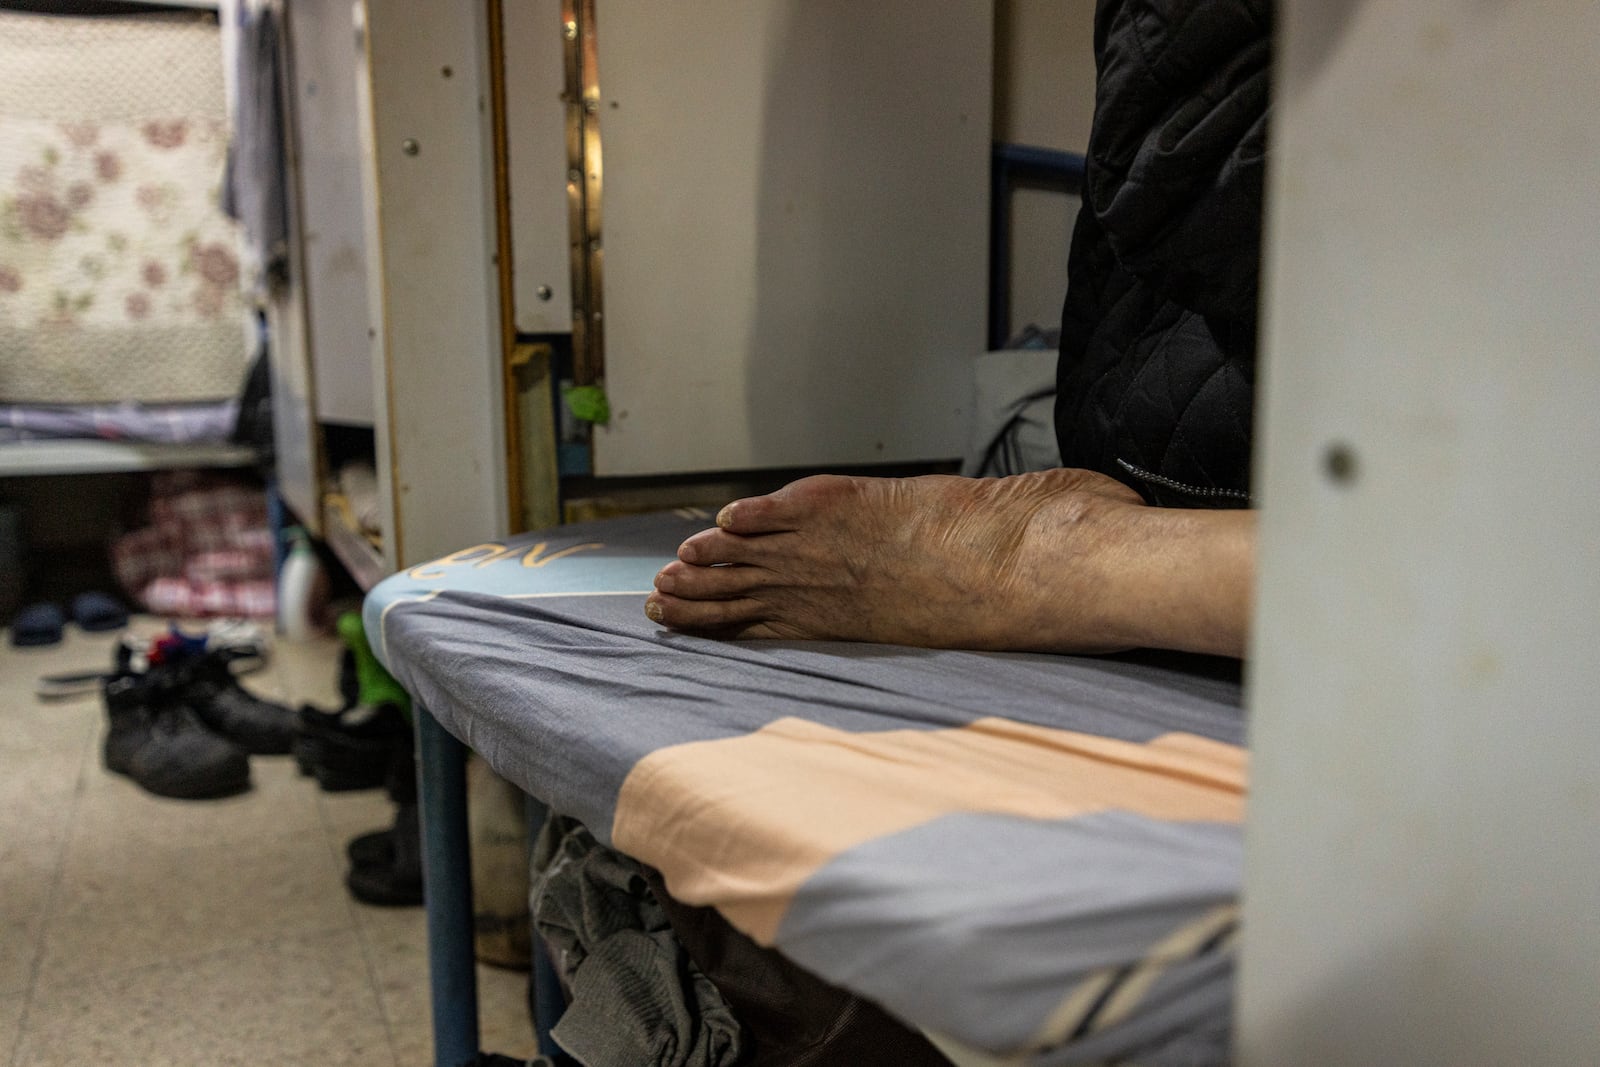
[1062, 560]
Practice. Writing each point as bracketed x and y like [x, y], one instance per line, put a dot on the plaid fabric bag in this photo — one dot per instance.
[208, 550]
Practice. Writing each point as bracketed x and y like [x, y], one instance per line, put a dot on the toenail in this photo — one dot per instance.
[725, 517]
[653, 609]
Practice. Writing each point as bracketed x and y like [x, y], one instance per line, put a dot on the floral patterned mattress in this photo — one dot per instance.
[119, 273]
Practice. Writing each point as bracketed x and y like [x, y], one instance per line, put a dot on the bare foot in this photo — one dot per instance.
[1031, 562]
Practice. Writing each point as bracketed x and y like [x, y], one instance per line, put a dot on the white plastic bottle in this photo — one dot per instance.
[297, 584]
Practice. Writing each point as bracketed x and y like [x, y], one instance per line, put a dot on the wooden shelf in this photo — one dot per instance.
[363, 561]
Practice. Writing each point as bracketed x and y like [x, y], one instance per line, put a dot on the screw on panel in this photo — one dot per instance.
[574, 175]
[410, 147]
[544, 292]
[570, 31]
[1339, 463]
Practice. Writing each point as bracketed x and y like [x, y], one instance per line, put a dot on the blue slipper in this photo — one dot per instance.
[37, 624]
[97, 612]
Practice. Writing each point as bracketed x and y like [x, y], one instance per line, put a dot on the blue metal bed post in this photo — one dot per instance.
[447, 888]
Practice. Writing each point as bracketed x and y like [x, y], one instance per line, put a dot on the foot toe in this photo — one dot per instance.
[789, 508]
[753, 515]
[702, 615]
[711, 547]
[690, 582]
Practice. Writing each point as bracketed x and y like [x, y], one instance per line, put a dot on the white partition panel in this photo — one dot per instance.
[536, 134]
[795, 230]
[435, 330]
[1423, 874]
[327, 120]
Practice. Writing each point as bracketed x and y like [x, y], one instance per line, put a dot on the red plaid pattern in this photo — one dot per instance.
[169, 596]
[139, 556]
[207, 551]
[229, 564]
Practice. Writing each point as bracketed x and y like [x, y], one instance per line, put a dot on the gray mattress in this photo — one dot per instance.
[1036, 856]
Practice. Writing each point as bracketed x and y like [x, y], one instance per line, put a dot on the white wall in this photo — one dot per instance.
[1044, 96]
[1423, 873]
[1044, 72]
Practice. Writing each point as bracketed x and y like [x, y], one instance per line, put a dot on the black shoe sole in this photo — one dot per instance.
[214, 790]
[379, 887]
[258, 747]
[371, 850]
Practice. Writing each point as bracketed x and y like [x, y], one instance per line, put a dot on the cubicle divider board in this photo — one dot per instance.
[795, 230]
[1423, 883]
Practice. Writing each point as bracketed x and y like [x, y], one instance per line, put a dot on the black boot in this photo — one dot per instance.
[259, 726]
[159, 742]
[396, 880]
[386, 867]
[351, 749]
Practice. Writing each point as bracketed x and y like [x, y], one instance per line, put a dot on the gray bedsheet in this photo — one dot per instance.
[1037, 856]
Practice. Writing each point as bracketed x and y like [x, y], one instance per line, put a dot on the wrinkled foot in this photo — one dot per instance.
[1019, 563]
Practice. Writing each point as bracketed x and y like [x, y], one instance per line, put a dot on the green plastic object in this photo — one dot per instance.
[377, 686]
[588, 402]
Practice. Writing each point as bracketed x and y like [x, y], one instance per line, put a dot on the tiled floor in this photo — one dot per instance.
[147, 931]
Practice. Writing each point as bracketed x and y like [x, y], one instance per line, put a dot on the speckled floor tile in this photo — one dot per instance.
[293, 1001]
[116, 817]
[119, 910]
[397, 941]
[42, 745]
[30, 854]
[34, 729]
[10, 1024]
[347, 814]
[77, 651]
[44, 750]
[503, 1023]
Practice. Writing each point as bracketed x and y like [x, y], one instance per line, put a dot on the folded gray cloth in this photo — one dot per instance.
[637, 998]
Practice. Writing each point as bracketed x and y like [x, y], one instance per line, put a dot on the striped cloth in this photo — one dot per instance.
[1034, 856]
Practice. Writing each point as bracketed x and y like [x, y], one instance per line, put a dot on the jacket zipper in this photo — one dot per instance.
[1182, 487]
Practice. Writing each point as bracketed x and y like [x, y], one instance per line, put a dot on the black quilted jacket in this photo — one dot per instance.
[1158, 341]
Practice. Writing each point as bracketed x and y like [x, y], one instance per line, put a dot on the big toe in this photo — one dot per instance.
[756, 515]
[787, 509]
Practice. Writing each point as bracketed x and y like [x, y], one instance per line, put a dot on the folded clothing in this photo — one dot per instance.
[204, 422]
[637, 999]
